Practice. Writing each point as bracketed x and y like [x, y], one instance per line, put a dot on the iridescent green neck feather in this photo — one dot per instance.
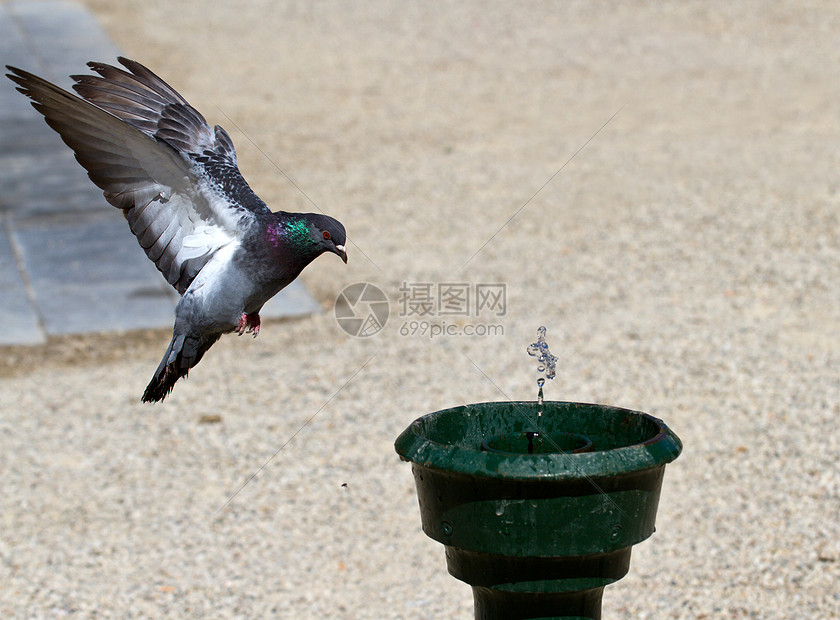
[297, 232]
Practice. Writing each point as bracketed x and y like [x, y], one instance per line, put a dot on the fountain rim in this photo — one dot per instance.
[657, 451]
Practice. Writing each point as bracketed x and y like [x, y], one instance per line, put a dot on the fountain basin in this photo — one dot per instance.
[530, 442]
[538, 535]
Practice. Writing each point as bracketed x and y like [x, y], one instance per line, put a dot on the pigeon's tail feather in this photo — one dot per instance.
[183, 353]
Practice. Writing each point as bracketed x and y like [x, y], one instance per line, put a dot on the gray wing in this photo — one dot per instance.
[157, 160]
[143, 100]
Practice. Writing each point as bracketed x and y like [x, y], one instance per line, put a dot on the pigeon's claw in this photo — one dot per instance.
[242, 325]
[253, 324]
[249, 323]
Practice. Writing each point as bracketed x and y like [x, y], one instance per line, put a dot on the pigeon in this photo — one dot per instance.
[177, 183]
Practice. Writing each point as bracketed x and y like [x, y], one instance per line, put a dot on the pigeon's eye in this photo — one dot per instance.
[326, 234]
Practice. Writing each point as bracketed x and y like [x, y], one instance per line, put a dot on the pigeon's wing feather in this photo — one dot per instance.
[179, 212]
[143, 100]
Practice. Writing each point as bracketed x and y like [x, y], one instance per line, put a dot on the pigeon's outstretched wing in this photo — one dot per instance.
[156, 158]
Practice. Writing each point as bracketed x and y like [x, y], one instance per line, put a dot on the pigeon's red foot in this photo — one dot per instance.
[249, 323]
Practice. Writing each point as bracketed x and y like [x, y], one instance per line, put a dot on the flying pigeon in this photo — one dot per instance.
[177, 183]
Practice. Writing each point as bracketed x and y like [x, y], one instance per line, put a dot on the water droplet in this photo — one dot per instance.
[547, 363]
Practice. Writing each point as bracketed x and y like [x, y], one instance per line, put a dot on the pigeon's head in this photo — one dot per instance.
[328, 234]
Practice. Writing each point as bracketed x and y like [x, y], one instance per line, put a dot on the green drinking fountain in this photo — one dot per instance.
[538, 503]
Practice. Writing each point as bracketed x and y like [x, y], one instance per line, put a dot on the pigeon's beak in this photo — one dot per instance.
[339, 249]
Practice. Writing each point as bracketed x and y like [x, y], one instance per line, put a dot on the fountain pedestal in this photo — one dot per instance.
[538, 535]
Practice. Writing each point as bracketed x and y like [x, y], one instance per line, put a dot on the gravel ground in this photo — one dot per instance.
[685, 262]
